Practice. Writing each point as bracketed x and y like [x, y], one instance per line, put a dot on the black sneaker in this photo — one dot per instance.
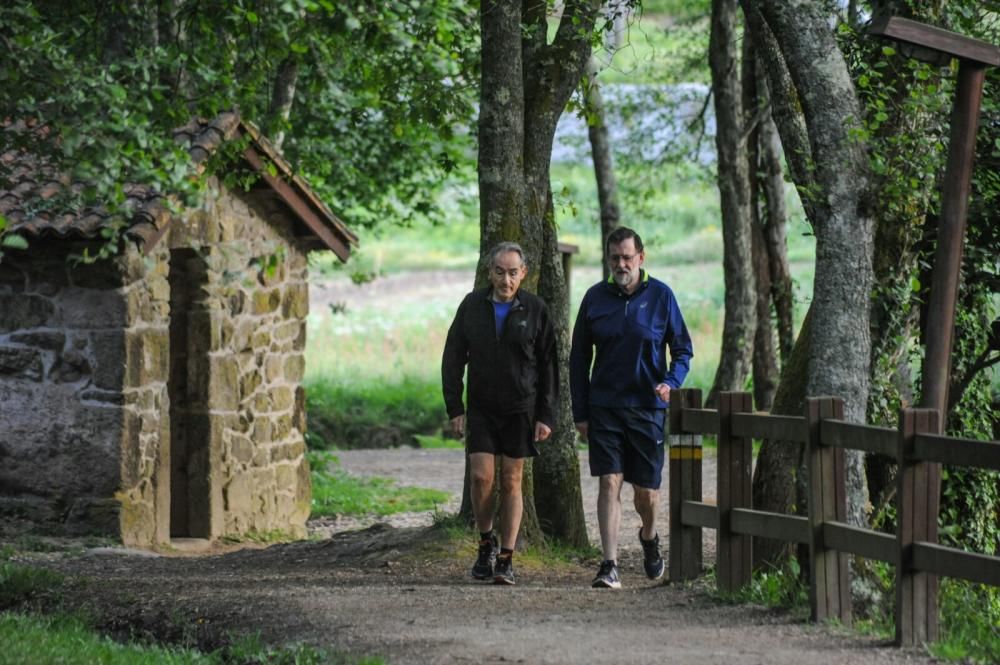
[651, 559]
[503, 572]
[483, 569]
[607, 577]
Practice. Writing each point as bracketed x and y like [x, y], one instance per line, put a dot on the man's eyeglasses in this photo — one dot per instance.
[624, 258]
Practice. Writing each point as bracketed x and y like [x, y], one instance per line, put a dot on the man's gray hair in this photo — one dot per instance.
[503, 248]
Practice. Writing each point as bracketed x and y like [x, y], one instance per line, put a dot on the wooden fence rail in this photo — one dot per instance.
[913, 550]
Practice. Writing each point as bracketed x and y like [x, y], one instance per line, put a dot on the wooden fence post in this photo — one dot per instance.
[916, 520]
[685, 551]
[734, 561]
[829, 581]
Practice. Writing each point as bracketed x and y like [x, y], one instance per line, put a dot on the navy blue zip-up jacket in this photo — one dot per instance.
[631, 335]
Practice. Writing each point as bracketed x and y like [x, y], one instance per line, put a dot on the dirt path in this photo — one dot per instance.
[403, 592]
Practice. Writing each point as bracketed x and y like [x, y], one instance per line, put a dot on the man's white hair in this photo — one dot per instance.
[503, 248]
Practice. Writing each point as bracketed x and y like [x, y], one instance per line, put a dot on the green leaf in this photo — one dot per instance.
[14, 241]
[888, 51]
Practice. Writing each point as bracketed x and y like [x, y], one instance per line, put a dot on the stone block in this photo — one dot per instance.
[12, 278]
[288, 452]
[93, 308]
[241, 449]
[70, 367]
[282, 398]
[104, 276]
[249, 383]
[107, 352]
[21, 362]
[273, 368]
[22, 311]
[50, 340]
[237, 494]
[266, 301]
[224, 383]
[147, 356]
[295, 367]
[103, 396]
[262, 430]
[295, 304]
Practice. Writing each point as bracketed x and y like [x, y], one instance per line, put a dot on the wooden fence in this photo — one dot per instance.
[914, 551]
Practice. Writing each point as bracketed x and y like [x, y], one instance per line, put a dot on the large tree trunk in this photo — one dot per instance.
[839, 337]
[501, 179]
[551, 73]
[282, 97]
[600, 150]
[734, 190]
[765, 360]
[526, 84]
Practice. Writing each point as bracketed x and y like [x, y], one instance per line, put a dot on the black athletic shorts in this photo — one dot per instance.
[629, 441]
[510, 434]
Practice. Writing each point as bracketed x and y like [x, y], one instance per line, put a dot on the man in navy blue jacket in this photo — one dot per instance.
[625, 327]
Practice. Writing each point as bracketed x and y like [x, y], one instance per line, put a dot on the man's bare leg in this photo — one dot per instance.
[609, 513]
[647, 502]
[511, 503]
[481, 469]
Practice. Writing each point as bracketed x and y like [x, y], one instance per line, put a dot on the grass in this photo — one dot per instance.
[777, 588]
[335, 492]
[68, 641]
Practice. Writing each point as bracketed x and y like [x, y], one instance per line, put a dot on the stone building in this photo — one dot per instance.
[156, 395]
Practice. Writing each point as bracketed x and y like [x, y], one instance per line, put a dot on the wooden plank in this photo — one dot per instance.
[772, 428]
[938, 39]
[734, 563]
[916, 520]
[829, 584]
[696, 513]
[340, 246]
[881, 440]
[764, 524]
[700, 421]
[942, 560]
[957, 452]
[863, 542]
[685, 556]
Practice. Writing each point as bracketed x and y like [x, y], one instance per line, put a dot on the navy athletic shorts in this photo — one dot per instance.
[510, 434]
[629, 441]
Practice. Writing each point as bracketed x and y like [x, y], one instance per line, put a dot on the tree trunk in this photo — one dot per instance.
[778, 476]
[734, 190]
[839, 338]
[600, 150]
[501, 178]
[282, 96]
[765, 361]
[525, 86]
[551, 73]
[775, 235]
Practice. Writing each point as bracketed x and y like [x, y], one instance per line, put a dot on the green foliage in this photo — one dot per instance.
[437, 442]
[383, 94]
[372, 414]
[20, 584]
[69, 641]
[780, 588]
[970, 622]
[30, 639]
[334, 492]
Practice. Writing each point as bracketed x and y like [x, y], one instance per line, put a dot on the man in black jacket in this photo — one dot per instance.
[505, 337]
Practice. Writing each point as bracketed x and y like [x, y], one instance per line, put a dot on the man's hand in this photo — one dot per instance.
[662, 391]
[458, 426]
[542, 431]
[583, 428]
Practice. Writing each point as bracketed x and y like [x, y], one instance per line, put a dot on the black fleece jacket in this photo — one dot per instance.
[513, 374]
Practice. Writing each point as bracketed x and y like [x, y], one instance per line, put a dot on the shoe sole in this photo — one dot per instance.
[658, 576]
[504, 581]
[606, 585]
[481, 577]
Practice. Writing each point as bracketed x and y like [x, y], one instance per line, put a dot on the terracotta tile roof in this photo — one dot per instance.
[33, 183]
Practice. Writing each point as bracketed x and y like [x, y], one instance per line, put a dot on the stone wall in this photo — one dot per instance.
[89, 383]
[250, 325]
[62, 411]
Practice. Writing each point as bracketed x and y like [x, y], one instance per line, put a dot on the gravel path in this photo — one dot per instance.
[443, 470]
